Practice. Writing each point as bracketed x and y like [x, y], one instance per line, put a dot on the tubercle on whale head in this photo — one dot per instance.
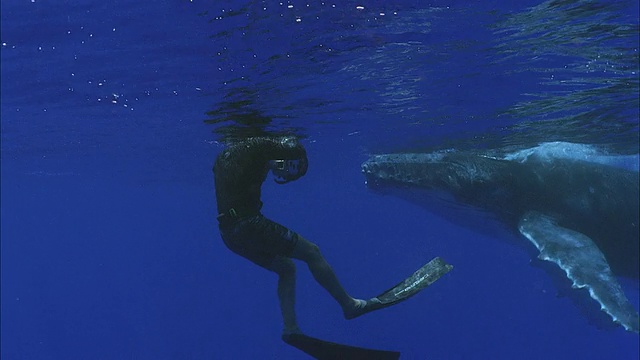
[434, 170]
[381, 169]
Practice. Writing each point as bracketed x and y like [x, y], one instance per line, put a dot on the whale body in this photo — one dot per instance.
[578, 207]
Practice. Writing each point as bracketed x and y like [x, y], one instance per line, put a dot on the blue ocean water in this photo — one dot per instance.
[113, 112]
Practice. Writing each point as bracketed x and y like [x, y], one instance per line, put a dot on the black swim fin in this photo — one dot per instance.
[326, 350]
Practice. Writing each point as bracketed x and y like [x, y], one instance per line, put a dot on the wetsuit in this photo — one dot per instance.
[239, 172]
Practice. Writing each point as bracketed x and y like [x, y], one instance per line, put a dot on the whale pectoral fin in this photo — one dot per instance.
[583, 262]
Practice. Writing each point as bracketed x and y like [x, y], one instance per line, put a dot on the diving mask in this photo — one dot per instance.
[286, 170]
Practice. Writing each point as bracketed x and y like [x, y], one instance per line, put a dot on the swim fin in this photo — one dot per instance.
[412, 285]
[326, 350]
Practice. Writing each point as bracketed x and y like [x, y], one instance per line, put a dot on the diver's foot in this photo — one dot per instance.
[361, 307]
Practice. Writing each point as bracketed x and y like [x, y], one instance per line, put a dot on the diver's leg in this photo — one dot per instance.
[286, 270]
[324, 275]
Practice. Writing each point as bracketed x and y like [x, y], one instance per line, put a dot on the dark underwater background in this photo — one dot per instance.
[112, 113]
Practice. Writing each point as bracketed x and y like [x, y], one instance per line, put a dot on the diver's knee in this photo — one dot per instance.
[313, 252]
[289, 267]
[306, 251]
[284, 267]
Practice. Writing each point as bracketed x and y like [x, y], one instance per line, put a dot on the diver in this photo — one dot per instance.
[239, 172]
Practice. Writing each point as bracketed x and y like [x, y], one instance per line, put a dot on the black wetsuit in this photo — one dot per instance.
[239, 172]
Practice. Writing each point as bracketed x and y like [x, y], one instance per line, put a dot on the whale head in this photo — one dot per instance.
[447, 171]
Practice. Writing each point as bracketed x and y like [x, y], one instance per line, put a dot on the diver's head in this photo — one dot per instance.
[288, 170]
[291, 166]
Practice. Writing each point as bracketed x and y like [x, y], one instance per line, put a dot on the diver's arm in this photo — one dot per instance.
[248, 159]
[273, 148]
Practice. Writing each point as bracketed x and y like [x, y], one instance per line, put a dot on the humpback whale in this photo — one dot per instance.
[577, 206]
